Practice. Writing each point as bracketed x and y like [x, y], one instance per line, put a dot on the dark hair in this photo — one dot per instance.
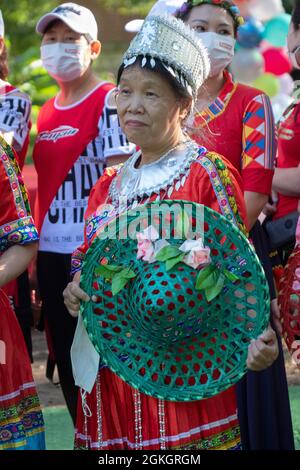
[296, 15]
[184, 13]
[159, 68]
[4, 70]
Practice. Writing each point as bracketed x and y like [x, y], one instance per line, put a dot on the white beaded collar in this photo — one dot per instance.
[135, 183]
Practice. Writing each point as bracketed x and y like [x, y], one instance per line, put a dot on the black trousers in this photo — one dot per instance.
[23, 310]
[53, 272]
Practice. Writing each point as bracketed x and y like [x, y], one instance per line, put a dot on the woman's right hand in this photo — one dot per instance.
[73, 295]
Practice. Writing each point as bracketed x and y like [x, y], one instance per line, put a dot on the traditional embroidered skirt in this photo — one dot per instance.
[21, 419]
[115, 416]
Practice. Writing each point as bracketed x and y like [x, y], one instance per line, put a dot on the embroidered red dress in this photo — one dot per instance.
[239, 125]
[21, 420]
[117, 416]
[288, 155]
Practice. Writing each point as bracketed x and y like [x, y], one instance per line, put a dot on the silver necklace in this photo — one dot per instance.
[169, 171]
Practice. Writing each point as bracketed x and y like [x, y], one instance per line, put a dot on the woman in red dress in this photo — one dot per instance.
[154, 96]
[21, 420]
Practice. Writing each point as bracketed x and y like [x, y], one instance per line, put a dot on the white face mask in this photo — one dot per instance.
[220, 49]
[65, 62]
[294, 58]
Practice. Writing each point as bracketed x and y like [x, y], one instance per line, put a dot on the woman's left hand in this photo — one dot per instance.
[263, 351]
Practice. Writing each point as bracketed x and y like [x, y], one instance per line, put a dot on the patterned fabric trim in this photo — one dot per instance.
[94, 224]
[226, 440]
[218, 106]
[215, 109]
[77, 261]
[20, 422]
[21, 232]
[16, 180]
[259, 143]
[221, 182]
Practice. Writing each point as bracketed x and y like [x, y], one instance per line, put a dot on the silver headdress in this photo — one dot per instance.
[177, 46]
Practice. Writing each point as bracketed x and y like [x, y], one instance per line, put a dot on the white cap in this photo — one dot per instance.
[161, 7]
[1, 26]
[78, 18]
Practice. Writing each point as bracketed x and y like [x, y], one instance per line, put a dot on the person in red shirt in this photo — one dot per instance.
[15, 124]
[15, 107]
[78, 136]
[21, 419]
[287, 174]
[237, 121]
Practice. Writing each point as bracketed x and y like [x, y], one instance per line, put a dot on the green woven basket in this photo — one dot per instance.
[159, 334]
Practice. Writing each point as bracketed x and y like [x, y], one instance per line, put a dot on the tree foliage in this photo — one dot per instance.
[140, 7]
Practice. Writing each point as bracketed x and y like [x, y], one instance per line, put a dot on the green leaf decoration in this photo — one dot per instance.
[231, 276]
[118, 274]
[167, 252]
[107, 271]
[212, 292]
[127, 273]
[207, 277]
[118, 283]
[170, 263]
[182, 225]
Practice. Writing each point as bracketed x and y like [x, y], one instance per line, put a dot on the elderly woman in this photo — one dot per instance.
[157, 83]
[21, 420]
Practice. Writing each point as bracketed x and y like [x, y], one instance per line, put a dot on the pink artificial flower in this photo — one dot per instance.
[145, 245]
[197, 254]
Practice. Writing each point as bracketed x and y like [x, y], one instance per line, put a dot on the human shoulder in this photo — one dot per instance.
[99, 192]
[14, 92]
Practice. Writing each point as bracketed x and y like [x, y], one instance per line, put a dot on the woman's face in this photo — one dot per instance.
[209, 18]
[149, 111]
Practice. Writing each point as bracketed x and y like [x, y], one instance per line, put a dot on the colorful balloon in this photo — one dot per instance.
[251, 33]
[277, 61]
[247, 65]
[279, 104]
[265, 9]
[268, 83]
[277, 30]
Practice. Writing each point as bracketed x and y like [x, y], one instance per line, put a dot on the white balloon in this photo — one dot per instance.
[286, 84]
[279, 104]
[266, 9]
[162, 7]
[247, 65]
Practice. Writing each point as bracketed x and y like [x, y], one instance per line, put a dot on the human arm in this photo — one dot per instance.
[286, 181]
[255, 202]
[263, 351]
[73, 295]
[14, 261]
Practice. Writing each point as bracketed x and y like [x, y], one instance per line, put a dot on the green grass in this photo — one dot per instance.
[60, 432]
[59, 428]
[295, 405]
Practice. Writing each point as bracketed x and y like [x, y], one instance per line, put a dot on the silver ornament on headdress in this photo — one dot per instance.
[177, 46]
